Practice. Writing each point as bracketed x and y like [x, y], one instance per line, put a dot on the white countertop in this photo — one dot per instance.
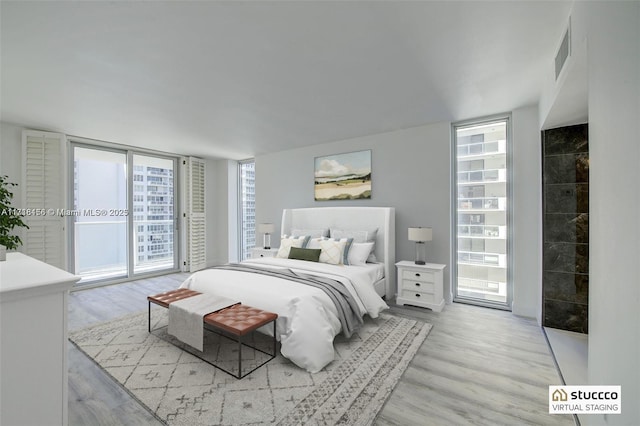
[21, 274]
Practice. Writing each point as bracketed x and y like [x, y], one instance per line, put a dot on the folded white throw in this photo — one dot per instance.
[186, 317]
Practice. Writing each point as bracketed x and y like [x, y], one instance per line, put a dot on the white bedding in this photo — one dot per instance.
[307, 318]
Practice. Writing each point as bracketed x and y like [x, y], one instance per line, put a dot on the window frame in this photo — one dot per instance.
[507, 119]
[129, 151]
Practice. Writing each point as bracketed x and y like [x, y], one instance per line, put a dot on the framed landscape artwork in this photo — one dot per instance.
[343, 176]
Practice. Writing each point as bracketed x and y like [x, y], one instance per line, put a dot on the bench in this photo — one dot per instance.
[233, 322]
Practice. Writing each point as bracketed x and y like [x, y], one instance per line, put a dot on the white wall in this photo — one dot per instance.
[614, 237]
[527, 214]
[10, 155]
[563, 102]
[217, 209]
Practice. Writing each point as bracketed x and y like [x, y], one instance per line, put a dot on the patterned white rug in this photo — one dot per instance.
[180, 389]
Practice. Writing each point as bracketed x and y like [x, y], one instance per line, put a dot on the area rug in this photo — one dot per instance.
[181, 389]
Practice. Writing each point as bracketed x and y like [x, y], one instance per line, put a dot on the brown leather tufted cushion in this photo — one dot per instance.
[163, 299]
[240, 319]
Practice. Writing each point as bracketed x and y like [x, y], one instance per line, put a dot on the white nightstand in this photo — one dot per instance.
[420, 285]
[258, 252]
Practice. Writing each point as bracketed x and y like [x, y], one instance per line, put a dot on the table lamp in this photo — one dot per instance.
[266, 229]
[420, 235]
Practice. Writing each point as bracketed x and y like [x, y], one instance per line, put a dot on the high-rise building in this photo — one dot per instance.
[482, 211]
[247, 176]
[153, 220]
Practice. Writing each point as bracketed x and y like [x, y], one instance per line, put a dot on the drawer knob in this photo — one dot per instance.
[417, 294]
[417, 284]
[417, 274]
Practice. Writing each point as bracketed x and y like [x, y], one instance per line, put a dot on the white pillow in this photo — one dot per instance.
[332, 251]
[314, 243]
[287, 242]
[359, 236]
[359, 252]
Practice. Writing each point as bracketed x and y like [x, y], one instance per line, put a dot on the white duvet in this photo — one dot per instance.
[307, 318]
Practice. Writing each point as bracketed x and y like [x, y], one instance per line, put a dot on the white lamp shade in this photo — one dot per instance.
[266, 228]
[420, 234]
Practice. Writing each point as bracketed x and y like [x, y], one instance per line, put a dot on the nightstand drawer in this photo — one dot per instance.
[418, 297]
[423, 276]
[418, 286]
[258, 252]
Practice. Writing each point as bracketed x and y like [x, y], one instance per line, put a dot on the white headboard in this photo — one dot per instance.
[355, 218]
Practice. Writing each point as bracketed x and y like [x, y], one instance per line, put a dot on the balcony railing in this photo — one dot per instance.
[482, 259]
[482, 176]
[483, 231]
[101, 248]
[482, 203]
[160, 172]
[483, 289]
[482, 148]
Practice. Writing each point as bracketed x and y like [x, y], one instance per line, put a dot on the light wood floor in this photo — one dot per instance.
[477, 367]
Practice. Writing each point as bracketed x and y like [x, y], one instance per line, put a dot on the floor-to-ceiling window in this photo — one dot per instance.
[247, 207]
[482, 239]
[124, 211]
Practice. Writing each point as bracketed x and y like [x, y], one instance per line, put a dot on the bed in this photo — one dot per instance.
[311, 315]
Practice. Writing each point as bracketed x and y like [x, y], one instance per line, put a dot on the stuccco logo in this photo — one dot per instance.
[585, 400]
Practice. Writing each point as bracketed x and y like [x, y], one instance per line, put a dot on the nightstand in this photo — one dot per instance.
[258, 252]
[420, 285]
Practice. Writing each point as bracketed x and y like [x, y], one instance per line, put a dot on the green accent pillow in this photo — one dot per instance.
[312, 255]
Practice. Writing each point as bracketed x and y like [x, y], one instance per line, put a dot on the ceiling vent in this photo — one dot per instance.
[563, 51]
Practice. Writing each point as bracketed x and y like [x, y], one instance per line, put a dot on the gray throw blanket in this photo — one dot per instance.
[348, 311]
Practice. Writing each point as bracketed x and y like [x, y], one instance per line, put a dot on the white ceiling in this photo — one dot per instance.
[238, 79]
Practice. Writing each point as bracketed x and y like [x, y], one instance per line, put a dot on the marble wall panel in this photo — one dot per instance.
[565, 255]
[566, 168]
[566, 316]
[566, 227]
[566, 287]
[566, 198]
[566, 140]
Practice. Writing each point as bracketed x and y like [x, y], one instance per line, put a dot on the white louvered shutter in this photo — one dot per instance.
[196, 258]
[43, 180]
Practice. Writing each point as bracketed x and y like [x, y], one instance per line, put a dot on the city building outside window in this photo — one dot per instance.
[482, 194]
[247, 207]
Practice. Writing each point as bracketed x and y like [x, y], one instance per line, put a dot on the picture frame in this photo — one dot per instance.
[345, 176]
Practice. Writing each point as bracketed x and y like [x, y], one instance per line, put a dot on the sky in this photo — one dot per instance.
[343, 164]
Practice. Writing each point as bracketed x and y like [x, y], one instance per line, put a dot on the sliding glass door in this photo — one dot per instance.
[123, 213]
